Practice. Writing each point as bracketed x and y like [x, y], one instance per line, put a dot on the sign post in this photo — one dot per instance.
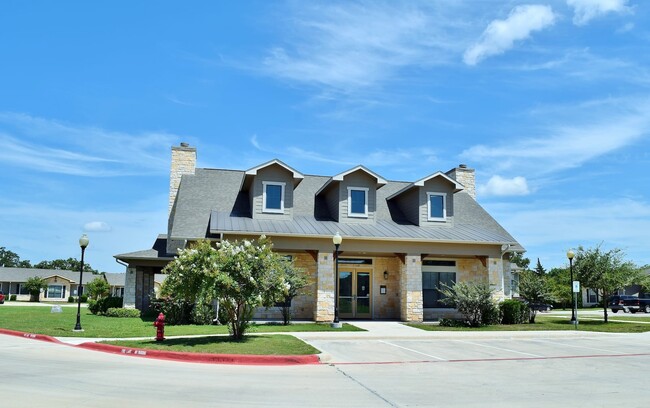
[576, 290]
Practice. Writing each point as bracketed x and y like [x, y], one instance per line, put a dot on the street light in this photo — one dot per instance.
[336, 239]
[83, 243]
[570, 255]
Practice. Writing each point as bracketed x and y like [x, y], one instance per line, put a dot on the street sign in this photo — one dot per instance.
[576, 286]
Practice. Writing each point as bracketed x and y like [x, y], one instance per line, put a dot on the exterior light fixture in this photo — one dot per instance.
[83, 243]
[386, 275]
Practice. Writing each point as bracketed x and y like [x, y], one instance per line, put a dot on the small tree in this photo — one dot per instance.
[98, 288]
[295, 281]
[34, 285]
[243, 275]
[474, 301]
[534, 288]
[539, 269]
[605, 272]
[560, 285]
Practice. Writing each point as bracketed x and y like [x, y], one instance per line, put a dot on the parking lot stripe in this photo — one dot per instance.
[573, 345]
[412, 351]
[500, 348]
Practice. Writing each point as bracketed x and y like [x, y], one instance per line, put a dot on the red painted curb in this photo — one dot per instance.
[40, 337]
[237, 359]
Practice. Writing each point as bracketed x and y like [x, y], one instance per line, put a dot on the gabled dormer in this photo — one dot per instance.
[351, 196]
[428, 201]
[270, 189]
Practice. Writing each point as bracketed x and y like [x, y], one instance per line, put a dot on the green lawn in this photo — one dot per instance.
[272, 344]
[550, 323]
[40, 320]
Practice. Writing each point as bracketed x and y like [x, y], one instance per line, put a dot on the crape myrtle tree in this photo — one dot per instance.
[241, 275]
[34, 285]
[560, 283]
[606, 271]
[474, 300]
[295, 280]
[534, 288]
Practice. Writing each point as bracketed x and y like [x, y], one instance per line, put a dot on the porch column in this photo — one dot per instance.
[324, 311]
[129, 288]
[411, 309]
[496, 277]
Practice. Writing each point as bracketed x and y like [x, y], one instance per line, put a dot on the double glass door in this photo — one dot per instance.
[354, 292]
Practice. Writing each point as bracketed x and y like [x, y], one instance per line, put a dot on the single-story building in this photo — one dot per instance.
[590, 297]
[402, 240]
[60, 283]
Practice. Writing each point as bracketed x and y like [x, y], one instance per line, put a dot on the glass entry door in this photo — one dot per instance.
[354, 293]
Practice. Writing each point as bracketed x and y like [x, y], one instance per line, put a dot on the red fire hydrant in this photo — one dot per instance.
[160, 327]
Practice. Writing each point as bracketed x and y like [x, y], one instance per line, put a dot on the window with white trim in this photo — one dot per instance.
[357, 202]
[55, 292]
[437, 206]
[273, 197]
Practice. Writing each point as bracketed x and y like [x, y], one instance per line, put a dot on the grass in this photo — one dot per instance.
[40, 320]
[272, 344]
[550, 323]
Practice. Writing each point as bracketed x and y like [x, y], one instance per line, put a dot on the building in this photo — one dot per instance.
[401, 240]
[61, 284]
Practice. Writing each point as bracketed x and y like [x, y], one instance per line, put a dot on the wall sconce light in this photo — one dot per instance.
[386, 275]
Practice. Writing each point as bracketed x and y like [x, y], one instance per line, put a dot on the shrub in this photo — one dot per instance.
[448, 322]
[514, 312]
[176, 311]
[12, 297]
[70, 299]
[122, 312]
[84, 299]
[474, 301]
[100, 306]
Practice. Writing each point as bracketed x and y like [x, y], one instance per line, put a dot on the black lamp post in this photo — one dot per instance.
[570, 255]
[337, 239]
[83, 243]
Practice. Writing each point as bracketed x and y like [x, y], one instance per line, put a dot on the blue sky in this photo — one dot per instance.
[548, 101]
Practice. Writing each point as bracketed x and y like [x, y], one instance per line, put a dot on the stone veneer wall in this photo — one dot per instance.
[386, 306]
[411, 309]
[183, 162]
[129, 288]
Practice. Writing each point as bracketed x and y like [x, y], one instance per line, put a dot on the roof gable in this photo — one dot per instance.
[420, 183]
[339, 177]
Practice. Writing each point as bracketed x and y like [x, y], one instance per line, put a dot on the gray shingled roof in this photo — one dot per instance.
[209, 202]
[22, 274]
[115, 279]
[158, 251]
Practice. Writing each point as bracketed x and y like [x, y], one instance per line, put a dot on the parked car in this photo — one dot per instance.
[638, 304]
[2, 297]
[541, 307]
[617, 302]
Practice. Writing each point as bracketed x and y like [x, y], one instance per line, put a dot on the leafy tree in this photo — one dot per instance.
[518, 259]
[559, 280]
[539, 269]
[242, 275]
[69, 264]
[10, 259]
[605, 271]
[98, 288]
[534, 288]
[34, 286]
[474, 301]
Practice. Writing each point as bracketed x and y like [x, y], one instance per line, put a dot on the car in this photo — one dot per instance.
[617, 302]
[2, 297]
[541, 307]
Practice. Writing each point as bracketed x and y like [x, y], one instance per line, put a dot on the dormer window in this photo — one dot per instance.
[437, 210]
[357, 202]
[273, 197]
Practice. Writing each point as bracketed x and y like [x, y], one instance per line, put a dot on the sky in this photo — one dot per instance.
[548, 101]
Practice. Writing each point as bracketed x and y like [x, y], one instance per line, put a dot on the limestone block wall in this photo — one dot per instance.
[129, 288]
[495, 273]
[324, 310]
[386, 306]
[183, 162]
[411, 309]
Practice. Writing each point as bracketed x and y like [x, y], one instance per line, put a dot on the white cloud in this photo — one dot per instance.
[52, 146]
[500, 35]
[347, 46]
[499, 186]
[579, 134]
[587, 10]
[96, 226]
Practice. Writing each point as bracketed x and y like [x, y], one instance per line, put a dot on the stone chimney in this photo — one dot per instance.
[464, 176]
[183, 162]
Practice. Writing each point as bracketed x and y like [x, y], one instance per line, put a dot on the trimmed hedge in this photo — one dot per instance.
[122, 312]
[514, 312]
[101, 306]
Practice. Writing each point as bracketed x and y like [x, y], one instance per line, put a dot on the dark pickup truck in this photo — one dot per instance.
[638, 304]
